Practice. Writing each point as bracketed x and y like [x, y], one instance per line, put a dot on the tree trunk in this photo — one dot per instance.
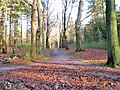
[113, 43]
[44, 30]
[48, 31]
[77, 27]
[64, 38]
[11, 32]
[6, 39]
[64, 32]
[2, 26]
[15, 38]
[33, 30]
[39, 25]
[27, 32]
[21, 29]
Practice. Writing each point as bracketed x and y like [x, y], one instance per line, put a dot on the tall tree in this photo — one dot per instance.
[96, 8]
[118, 23]
[2, 26]
[48, 31]
[6, 39]
[39, 25]
[77, 26]
[43, 25]
[64, 40]
[67, 8]
[113, 42]
[33, 30]
[21, 29]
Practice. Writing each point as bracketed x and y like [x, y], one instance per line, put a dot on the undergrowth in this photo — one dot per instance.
[101, 44]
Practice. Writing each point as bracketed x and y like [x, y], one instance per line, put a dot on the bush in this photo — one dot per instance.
[102, 44]
[24, 46]
[71, 42]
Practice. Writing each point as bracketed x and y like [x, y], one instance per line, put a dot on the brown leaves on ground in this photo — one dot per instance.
[63, 74]
[20, 61]
[94, 55]
[58, 77]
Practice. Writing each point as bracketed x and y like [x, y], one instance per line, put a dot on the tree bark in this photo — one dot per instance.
[48, 31]
[6, 39]
[64, 38]
[21, 29]
[39, 25]
[113, 43]
[27, 32]
[33, 30]
[2, 26]
[77, 27]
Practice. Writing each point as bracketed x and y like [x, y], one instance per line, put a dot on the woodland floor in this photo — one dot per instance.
[62, 71]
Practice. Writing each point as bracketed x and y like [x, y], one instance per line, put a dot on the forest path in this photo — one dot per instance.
[60, 57]
[63, 72]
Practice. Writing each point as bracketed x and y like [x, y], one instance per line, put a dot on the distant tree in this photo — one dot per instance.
[43, 25]
[96, 9]
[48, 28]
[33, 30]
[47, 22]
[64, 38]
[65, 21]
[113, 42]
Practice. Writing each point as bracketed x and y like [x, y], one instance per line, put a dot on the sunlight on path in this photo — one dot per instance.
[61, 55]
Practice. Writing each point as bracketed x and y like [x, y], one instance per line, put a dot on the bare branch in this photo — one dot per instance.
[26, 3]
[86, 17]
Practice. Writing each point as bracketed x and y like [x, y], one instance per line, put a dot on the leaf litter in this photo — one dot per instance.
[61, 74]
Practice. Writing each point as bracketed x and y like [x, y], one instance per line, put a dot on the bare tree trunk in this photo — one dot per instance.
[77, 27]
[15, 38]
[64, 32]
[21, 29]
[11, 32]
[73, 1]
[39, 25]
[44, 30]
[64, 40]
[6, 39]
[2, 26]
[27, 31]
[33, 30]
[48, 31]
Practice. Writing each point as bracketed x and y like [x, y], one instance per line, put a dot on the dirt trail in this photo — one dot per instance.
[62, 58]
[70, 62]
[64, 72]
[58, 56]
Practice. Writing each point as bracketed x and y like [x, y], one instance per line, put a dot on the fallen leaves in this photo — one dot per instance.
[90, 55]
[64, 76]
[51, 77]
[93, 54]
